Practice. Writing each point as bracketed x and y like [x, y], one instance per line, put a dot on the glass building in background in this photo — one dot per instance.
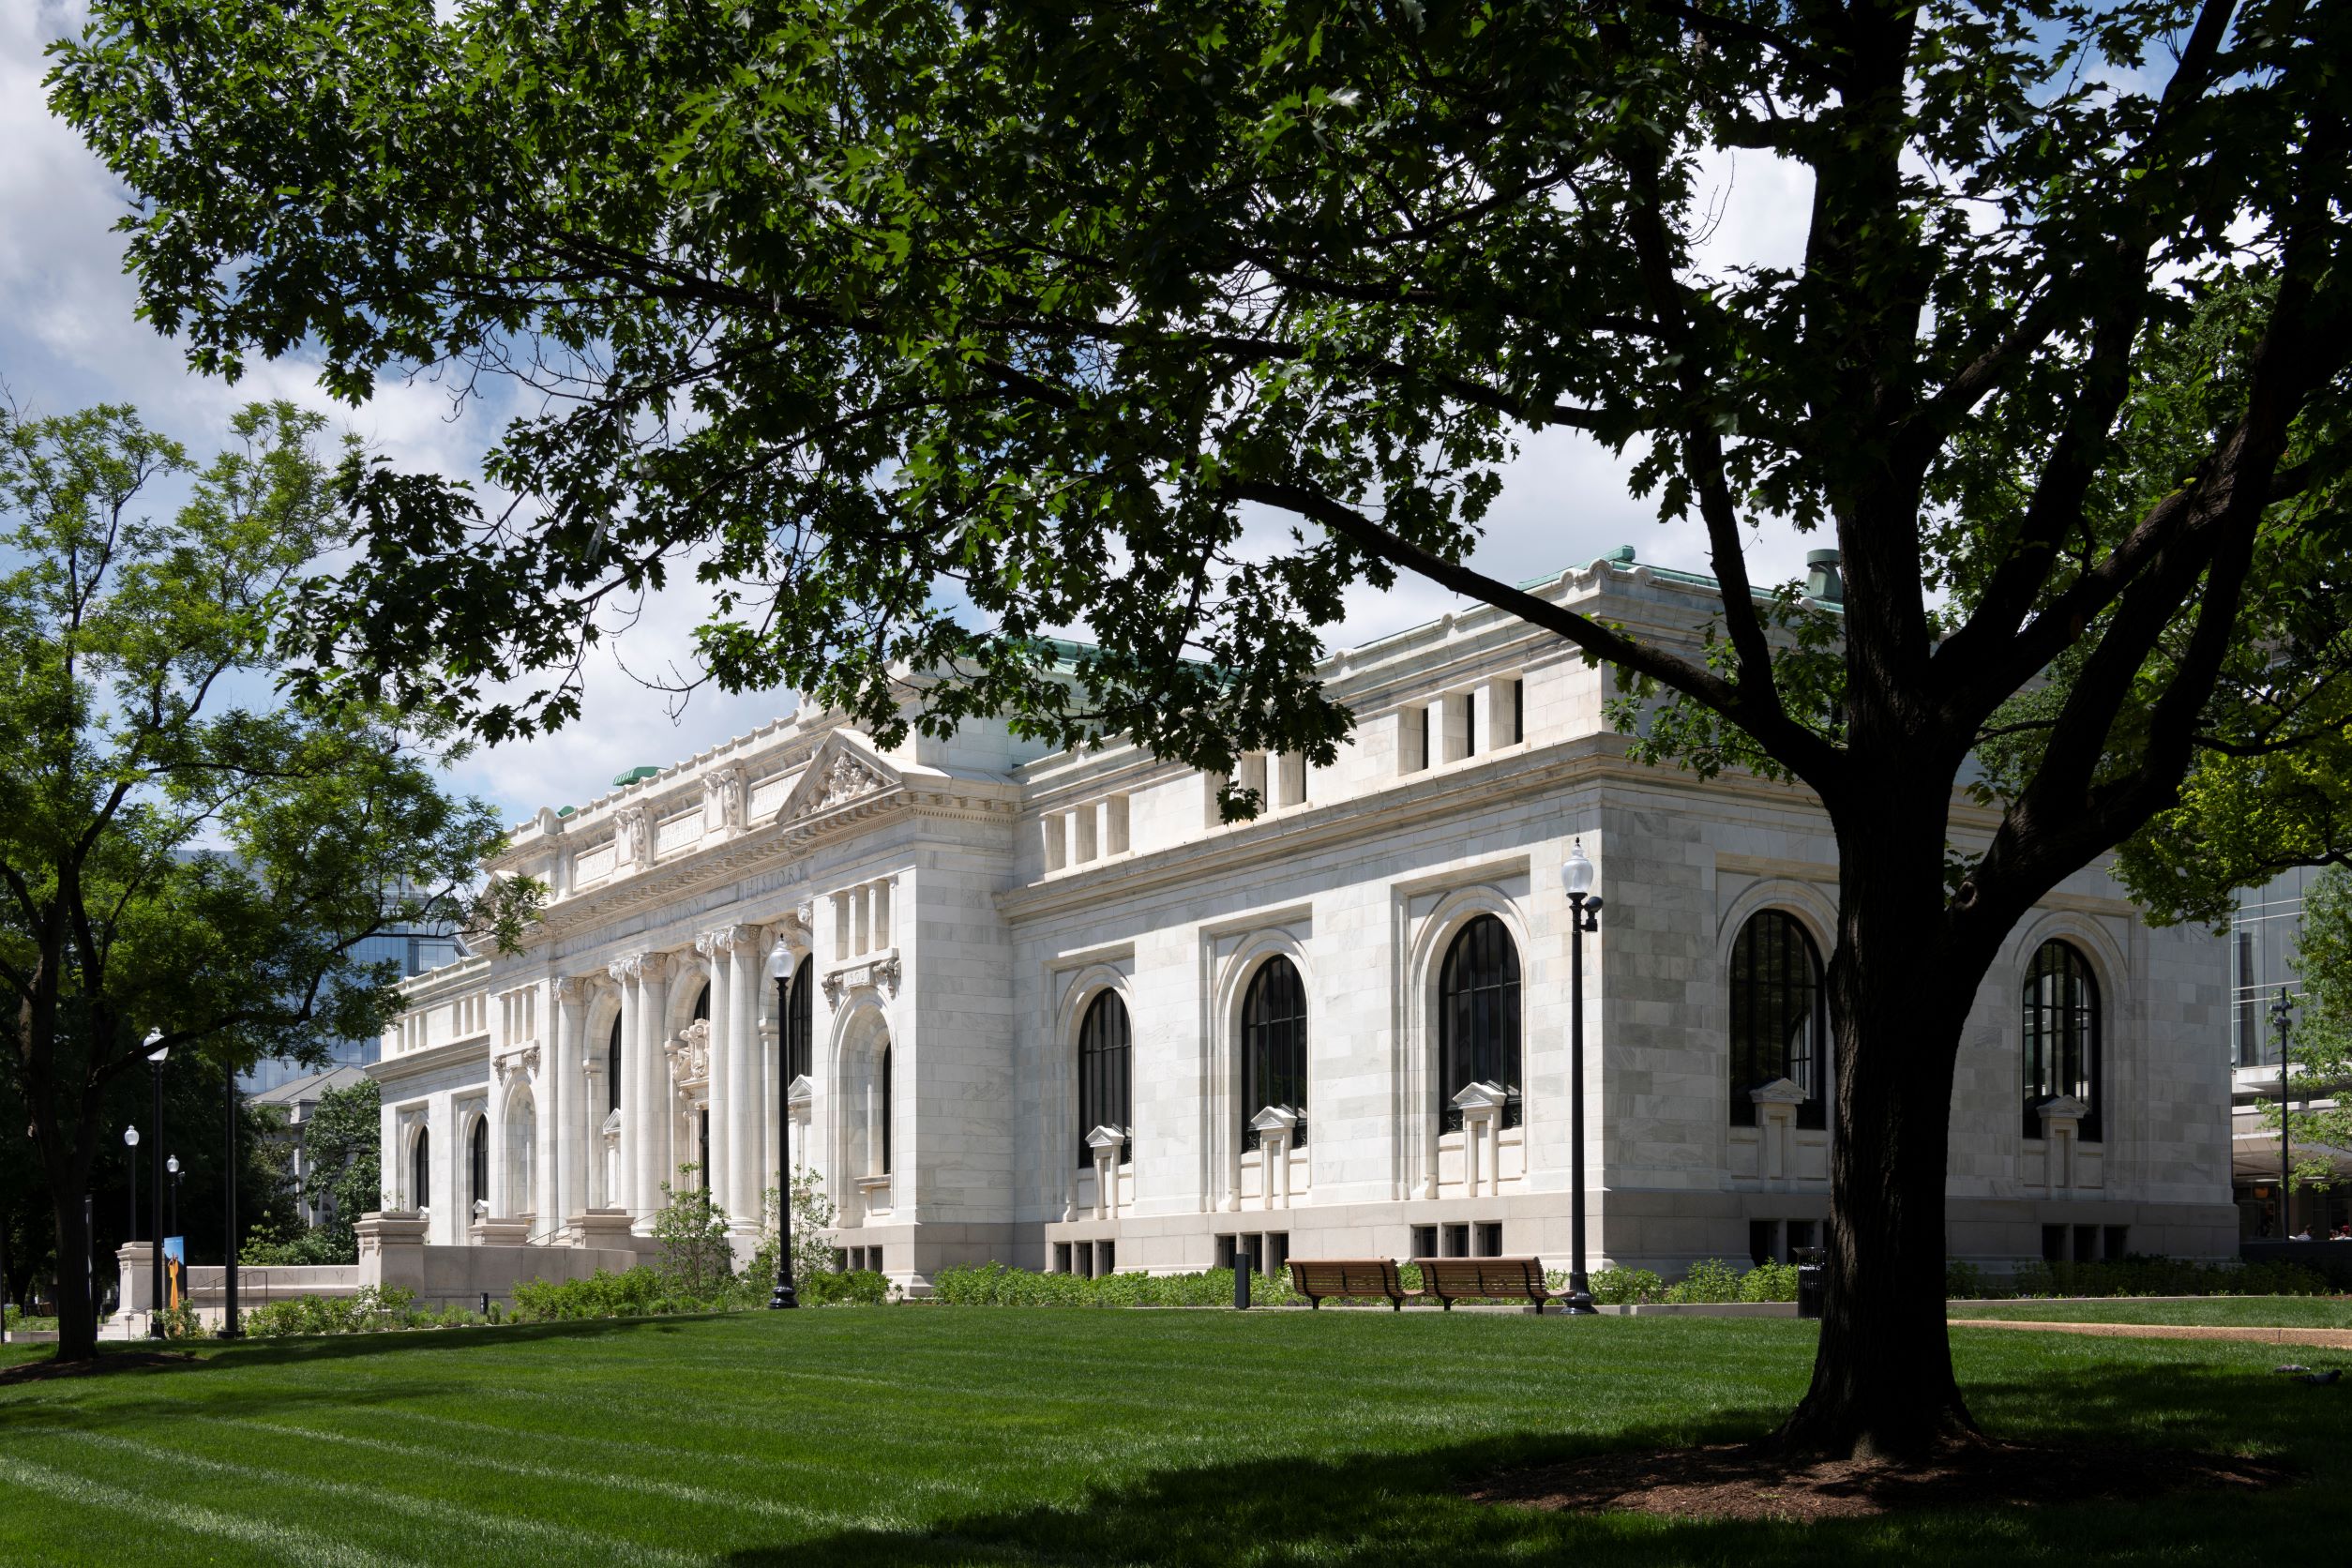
[415, 950]
[2262, 939]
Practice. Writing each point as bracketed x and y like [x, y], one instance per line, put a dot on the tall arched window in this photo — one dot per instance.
[1478, 1018]
[884, 1110]
[799, 1017]
[1780, 1026]
[420, 1168]
[1274, 1046]
[703, 1004]
[478, 1163]
[612, 1070]
[2062, 1034]
[1103, 1074]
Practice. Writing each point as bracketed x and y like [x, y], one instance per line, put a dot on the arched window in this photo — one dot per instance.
[1103, 1074]
[703, 1004]
[1478, 1018]
[2062, 1034]
[799, 1021]
[884, 1110]
[478, 1163]
[1780, 1025]
[612, 1070]
[420, 1168]
[1274, 1046]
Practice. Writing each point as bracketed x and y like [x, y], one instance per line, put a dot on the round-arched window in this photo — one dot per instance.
[612, 1069]
[799, 1021]
[1104, 1088]
[1274, 1046]
[1478, 1018]
[420, 1168]
[2062, 1004]
[703, 1004]
[477, 1163]
[1780, 1026]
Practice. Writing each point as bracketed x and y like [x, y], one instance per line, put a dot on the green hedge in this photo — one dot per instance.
[996, 1284]
[2166, 1276]
[371, 1310]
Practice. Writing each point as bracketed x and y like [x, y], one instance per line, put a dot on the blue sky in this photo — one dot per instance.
[68, 337]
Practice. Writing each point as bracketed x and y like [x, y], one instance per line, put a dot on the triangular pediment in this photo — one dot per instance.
[1274, 1119]
[1483, 1095]
[841, 774]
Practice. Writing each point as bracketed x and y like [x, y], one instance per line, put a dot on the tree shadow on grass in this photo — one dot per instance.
[317, 1348]
[1392, 1508]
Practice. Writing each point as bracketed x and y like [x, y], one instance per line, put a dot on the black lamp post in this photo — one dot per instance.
[157, 1050]
[787, 1295]
[1584, 915]
[2283, 1014]
[173, 1165]
[131, 1141]
[229, 1220]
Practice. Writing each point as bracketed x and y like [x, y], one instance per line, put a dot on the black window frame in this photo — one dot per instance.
[800, 1021]
[1272, 1051]
[1767, 1013]
[1106, 1074]
[478, 1163]
[612, 1068]
[2079, 1020]
[884, 1072]
[420, 1168]
[1481, 1026]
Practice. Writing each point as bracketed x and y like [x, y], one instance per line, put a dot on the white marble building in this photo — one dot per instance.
[1050, 1010]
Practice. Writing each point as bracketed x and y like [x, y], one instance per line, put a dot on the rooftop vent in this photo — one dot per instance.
[635, 776]
[1622, 556]
[1823, 580]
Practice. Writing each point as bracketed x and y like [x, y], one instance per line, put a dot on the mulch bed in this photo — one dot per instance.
[122, 1361]
[1742, 1481]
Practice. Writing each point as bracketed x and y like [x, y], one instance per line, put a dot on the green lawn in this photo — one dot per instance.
[944, 1436]
[2273, 1312]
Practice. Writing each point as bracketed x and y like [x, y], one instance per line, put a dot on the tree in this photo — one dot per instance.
[342, 1148]
[2318, 1114]
[697, 1259]
[936, 330]
[179, 868]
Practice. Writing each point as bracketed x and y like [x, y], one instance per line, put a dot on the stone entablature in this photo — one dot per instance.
[951, 953]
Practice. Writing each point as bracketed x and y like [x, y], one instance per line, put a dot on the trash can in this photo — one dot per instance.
[1809, 1286]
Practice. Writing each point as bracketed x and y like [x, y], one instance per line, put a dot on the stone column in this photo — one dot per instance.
[746, 1089]
[711, 946]
[625, 975]
[652, 1113]
[566, 1112]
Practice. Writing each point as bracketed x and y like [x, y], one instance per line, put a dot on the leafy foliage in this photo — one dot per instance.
[998, 1285]
[697, 1255]
[174, 857]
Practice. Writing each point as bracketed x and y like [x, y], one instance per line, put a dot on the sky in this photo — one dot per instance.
[69, 337]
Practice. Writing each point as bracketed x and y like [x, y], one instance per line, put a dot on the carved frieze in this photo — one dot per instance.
[880, 974]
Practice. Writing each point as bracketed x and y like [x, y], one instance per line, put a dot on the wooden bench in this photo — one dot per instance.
[1318, 1277]
[1458, 1280]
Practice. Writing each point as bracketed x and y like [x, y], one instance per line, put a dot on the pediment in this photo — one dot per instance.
[1482, 1097]
[1779, 1092]
[841, 774]
[1274, 1119]
[800, 1092]
[1105, 1137]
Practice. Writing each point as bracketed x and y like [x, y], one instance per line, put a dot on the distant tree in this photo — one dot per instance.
[930, 330]
[137, 726]
[2317, 1109]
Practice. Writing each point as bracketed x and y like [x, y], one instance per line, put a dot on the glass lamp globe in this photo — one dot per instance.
[155, 1048]
[1576, 872]
[131, 1137]
[173, 1165]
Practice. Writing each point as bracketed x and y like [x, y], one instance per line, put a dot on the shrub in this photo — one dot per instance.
[638, 1292]
[371, 1310]
[1710, 1280]
[697, 1255]
[1615, 1287]
[2166, 1276]
[996, 1284]
[1769, 1282]
[181, 1323]
[1963, 1280]
[848, 1288]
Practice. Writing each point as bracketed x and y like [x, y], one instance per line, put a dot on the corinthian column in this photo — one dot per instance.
[712, 946]
[565, 1110]
[623, 1194]
[744, 1090]
[651, 1114]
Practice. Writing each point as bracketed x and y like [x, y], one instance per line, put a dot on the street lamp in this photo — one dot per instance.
[787, 1295]
[173, 1165]
[2283, 1014]
[229, 1216]
[1584, 915]
[131, 1141]
[156, 1051]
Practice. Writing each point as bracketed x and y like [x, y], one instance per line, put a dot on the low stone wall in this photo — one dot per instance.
[393, 1255]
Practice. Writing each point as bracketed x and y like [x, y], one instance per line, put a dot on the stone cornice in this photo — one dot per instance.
[473, 1049]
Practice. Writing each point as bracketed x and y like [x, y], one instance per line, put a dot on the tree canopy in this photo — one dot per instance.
[186, 861]
[927, 332]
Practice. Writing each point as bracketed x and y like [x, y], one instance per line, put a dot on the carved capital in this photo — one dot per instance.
[572, 989]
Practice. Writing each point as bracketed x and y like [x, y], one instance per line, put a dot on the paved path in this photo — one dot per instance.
[2324, 1340]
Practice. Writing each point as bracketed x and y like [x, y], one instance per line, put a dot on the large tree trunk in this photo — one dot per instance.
[77, 1308]
[1882, 1381]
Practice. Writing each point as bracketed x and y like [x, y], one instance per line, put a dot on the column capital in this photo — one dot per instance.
[572, 989]
[654, 966]
[622, 971]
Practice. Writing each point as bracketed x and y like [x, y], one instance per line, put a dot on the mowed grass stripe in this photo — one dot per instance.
[605, 1480]
[568, 1538]
[162, 1518]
